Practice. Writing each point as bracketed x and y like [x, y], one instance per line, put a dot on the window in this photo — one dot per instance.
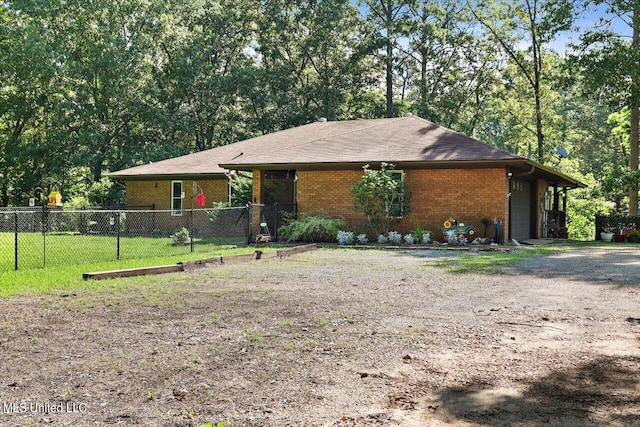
[397, 203]
[176, 197]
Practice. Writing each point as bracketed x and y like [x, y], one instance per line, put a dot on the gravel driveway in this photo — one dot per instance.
[334, 338]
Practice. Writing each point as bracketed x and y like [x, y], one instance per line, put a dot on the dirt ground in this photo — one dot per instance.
[334, 338]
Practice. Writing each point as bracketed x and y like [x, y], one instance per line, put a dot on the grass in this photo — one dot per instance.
[68, 277]
[65, 248]
[488, 262]
[496, 262]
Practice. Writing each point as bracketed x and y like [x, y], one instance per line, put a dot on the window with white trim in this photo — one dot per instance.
[176, 198]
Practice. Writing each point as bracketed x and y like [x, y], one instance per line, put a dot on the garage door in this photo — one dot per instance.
[520, 210]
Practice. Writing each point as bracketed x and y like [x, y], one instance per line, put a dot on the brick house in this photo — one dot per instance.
[314, 166]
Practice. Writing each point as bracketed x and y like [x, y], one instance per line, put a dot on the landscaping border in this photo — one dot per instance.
[182, 266]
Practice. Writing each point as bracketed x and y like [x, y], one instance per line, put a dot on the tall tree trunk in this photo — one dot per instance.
[389, 61]
[635, 115]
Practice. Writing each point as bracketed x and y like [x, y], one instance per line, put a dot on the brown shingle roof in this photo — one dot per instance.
[201, 163]
[396, 140]
[406, 139]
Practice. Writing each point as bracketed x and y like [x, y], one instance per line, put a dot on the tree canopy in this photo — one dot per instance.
[88, 87]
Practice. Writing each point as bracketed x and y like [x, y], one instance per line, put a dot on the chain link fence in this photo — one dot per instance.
[275, 216]
[615, 223]
[42, 237]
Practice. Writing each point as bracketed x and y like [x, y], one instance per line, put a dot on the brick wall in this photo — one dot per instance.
[158, 193]
[468, 195]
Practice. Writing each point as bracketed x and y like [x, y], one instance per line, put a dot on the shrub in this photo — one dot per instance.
[181, 237]
[418, 233]
[382, 239]
[311, 228]
[345, 237]
[362, 239]
[634, 236]
[426, 237]
[382, 196]
[395, 238]
[408, 238]
[455, 239]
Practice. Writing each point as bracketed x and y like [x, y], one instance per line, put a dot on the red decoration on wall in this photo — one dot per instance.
[200, 199]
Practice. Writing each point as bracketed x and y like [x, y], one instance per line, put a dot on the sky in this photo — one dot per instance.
[588, 21]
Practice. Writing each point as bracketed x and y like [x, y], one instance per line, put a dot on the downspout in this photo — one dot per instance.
[529, 172]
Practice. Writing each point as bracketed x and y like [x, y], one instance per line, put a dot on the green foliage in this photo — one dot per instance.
[582, 207]
[92, 87]
[634, 236]
[311, 228]
[181, 237]
[241, 189]
[418, 233]
[382, 195]
[77, 203]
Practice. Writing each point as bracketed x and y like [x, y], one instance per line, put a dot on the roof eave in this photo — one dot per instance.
[561, 178]
[172, 176]
[435, 164]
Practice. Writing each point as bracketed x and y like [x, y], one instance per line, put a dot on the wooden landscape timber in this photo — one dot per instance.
[181, 266]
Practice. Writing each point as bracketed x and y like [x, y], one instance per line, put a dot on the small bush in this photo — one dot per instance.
[395, 238]
[311, 228]
[181, 237]
[362, 239]
[455, 239]
[634, 236]
[382, 239]
[345, 237]
[426, 237]
[418, 233]
[408, 238]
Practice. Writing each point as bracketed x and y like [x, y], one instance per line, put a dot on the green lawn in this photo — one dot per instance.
[69, 256]
[69, 249]
[493, 262]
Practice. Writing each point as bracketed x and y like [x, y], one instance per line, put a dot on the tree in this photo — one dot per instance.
[27, 88]
[311, 62]
[382, 195]
[390, 20]
[610, 66]
[203, 57]
[533, 23]
[451, 69]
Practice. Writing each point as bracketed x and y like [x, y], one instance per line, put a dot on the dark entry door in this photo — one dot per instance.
[521, 212]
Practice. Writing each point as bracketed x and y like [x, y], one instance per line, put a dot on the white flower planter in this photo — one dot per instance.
[606, 237]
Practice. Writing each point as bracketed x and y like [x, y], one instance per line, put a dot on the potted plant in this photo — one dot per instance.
[606, 235]
[619, 237]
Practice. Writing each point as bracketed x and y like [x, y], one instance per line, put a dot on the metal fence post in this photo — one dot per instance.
[118, 235]
[191, 226]
[15, 236]
[44, 236]
[249, 222]
[275, 221]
